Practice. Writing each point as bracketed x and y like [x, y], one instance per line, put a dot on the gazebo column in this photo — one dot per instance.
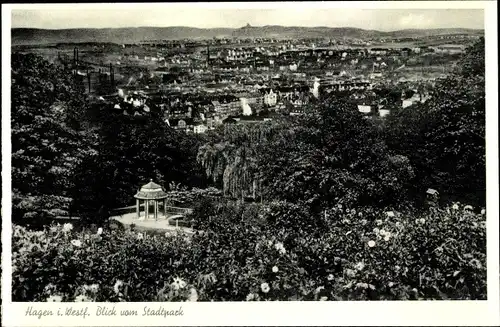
[165, 207]
[146, 205]
[156, 209]
[138, 208]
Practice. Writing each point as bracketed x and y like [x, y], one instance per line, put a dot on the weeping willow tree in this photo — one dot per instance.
[240, 175]
[232, 161]
[214, 158]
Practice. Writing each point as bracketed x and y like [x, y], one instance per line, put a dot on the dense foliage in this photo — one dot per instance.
[261, 253]
[48, 141]
[72, 156]
[444, 138]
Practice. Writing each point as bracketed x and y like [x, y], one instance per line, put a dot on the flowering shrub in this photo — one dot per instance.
[279, 252]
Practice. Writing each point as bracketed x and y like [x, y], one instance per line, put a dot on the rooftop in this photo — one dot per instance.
[151, 191]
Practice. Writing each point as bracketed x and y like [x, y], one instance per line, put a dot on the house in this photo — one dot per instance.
[407, 103]
[199, 129]
[229, 107]
[270, 98]
[181, 124]
[384, 112]
[375, 75]
[366, 109]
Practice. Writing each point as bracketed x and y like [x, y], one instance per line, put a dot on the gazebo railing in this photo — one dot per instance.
[170, 210]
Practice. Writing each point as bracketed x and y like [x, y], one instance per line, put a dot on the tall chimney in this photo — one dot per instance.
[88, 78]
[208, 55]
[76, 58]
[112, 75]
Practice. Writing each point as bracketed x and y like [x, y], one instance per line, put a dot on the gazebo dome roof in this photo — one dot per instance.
[151, 191]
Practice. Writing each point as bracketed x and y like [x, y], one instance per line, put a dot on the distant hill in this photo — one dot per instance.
[31, 36]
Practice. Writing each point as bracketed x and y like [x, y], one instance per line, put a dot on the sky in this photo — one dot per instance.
[90, 16]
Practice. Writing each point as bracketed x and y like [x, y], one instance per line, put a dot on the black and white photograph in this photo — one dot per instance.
[185, 154]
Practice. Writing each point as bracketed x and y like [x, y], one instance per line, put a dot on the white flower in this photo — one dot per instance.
[265, 287]
[76, 243]
[391, 284]
[250, 297]
[422, 220]
[468, 207]
[390, 214]
[376, 230]
[362, 285]
[382, 232]
[379, 222]
[455, 206]
[193, 295]
[99, 231]
[323, 298]
[280, 248]
[371, 243]
[387, 238]
[397, 267]
[360, 214]
[398, 224]
[54, 298]
[117, 286]
[339, 206]
[483, 211]
[351, 273]
[359, 266]
[269, 243]
[140, 236]
[178, 283]
[49, 288]
[94, 288]
[82, 298]
[275, 269]
[330, 277]
[67, 227]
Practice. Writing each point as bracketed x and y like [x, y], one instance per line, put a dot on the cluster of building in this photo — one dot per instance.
[196, 86]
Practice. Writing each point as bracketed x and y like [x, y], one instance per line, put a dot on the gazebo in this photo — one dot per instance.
[151, 192]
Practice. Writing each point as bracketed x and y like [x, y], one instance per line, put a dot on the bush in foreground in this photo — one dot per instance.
[344, 254]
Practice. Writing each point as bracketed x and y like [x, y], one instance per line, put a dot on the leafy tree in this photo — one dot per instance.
[48, 141]
[230, 158]
[333, 156]
[444, 138]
